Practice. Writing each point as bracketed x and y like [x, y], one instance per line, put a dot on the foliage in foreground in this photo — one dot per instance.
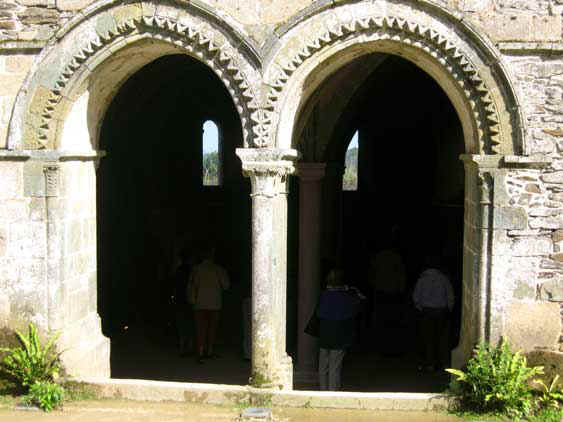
[497, 381]
[31, 362]
[34, 369]
[45, 395]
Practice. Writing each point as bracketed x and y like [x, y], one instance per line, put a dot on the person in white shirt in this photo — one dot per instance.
[207, 282]
[434, 296]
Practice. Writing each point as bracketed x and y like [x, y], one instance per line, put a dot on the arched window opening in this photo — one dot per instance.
[350, 179]
[211, 157]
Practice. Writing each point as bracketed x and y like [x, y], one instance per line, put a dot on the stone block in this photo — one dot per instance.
[19, 63]
[533, 325]
[552, 290]
[522, 27]
[3, 241]
[511, 218]
[524, 290]
[555, 177]
[532, 246]
[39, 15]
[11, 176]
[65, 5]
[34, 179]
[552, 362]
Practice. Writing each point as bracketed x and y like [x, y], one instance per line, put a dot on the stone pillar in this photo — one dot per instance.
[488, 217]
[332, 212]
[268, 170]
[309, 280]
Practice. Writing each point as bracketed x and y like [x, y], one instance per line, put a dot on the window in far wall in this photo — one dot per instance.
[211, 157]
[350, 179]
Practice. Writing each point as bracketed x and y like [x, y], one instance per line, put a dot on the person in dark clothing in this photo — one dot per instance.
[338, 307]
[184, 314]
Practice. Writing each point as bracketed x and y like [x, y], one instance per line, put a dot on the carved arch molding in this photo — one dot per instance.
[260, 81]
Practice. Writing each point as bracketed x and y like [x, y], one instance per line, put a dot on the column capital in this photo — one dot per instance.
[268, 169]
[311, 172]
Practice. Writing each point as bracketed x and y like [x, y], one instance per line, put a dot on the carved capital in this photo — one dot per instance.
[486, 186]
[268, 169]
[51, 171]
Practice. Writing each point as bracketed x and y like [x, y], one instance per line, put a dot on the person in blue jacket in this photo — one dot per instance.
[338, 307]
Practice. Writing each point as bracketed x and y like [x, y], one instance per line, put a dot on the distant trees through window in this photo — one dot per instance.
[211, 161]
[350, 179]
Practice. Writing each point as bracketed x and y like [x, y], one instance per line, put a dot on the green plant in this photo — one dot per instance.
[46, 395]
[552, 396]
[31, 362]
[496, 381]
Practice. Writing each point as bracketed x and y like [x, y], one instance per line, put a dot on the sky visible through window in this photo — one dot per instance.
[210, 137]
[211, 163]
[350, 179]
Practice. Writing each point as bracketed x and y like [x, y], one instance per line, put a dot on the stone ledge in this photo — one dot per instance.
[237, 394]
[17, 46]
[50, 155]
[527, 47]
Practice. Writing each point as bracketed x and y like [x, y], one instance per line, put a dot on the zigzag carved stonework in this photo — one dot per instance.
[457, 64]
[194, 41]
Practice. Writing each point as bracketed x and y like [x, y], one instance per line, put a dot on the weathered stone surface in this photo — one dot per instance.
[532, 325]
[39, 15]
[552, 290]
[72, 4]
[552, 362]
[3, 241]
[556, 177]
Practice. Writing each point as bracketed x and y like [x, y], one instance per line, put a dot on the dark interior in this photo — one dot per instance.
[152, 206]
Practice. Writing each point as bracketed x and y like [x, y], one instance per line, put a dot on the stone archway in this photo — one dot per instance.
[467, 68]
[58, 115]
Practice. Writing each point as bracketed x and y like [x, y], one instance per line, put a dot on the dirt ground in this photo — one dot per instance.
[125, 411]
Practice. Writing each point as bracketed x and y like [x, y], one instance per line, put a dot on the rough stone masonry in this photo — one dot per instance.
[499, 61]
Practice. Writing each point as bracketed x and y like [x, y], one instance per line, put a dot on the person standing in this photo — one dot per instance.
[337, 310]
[207, 282]
[433, 296]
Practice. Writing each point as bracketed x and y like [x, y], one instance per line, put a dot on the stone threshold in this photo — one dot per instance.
[247, 396]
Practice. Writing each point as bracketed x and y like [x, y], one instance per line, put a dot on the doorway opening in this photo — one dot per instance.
[155, 207]
[409, 198]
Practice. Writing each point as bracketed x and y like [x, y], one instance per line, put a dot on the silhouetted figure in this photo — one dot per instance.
[184, 314]
[433, 295]
[388, 277]
[207, 282]
[337, 310]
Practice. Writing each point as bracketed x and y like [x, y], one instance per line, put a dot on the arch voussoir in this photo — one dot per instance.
[477, 81]
[193, 36]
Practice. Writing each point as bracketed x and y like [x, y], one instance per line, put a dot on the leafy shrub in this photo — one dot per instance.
[31, 362]
[496, 381]
[551, 397]
[46, 395]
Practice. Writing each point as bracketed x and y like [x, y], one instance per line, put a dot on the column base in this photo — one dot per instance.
[86, 351]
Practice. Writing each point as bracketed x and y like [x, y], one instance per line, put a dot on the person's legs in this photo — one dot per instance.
[335, 369]
[427, 329]
[202, 323]
[212, 332]
[323, 369]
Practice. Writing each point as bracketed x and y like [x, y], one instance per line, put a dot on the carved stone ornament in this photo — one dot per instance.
[485, 184]
[51, 172]
[194, 41]
[268, 169]
[378, 28]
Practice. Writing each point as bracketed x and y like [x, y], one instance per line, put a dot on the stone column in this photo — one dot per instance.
[268, 170]
[332, 212]
[488, 216]
[309, 280]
